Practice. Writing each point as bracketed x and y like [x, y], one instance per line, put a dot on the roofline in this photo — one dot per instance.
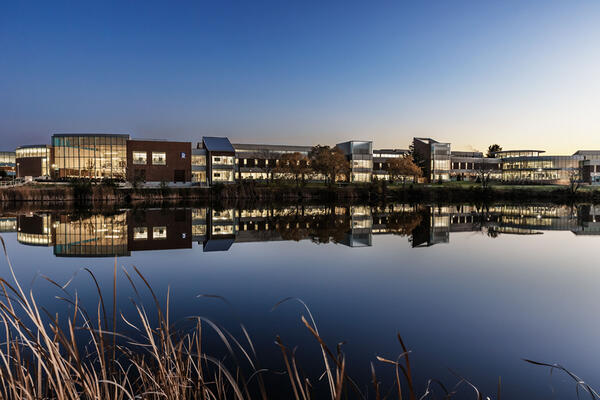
[30, 146]
[518, 150]
[125, 135]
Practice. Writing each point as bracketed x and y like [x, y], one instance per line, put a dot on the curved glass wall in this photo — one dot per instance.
[90, 156]
[541, 169]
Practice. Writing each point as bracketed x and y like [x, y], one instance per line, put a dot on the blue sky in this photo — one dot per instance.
[518, 73]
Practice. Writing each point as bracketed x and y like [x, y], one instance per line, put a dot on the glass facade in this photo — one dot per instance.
[557, 169]
[90, 156]
[97, 236]
[7, 157]
[440, 161]
[198, 160]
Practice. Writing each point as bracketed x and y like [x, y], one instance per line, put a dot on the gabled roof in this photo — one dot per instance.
[218, 244]
[217, 144]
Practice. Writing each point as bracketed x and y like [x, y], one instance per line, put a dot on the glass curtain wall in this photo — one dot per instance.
[90, 156]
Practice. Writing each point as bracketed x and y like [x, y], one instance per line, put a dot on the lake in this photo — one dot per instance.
[470, 289]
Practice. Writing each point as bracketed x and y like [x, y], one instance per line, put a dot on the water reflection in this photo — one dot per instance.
[124, 231]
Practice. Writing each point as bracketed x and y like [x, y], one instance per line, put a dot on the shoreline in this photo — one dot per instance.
[252, 192]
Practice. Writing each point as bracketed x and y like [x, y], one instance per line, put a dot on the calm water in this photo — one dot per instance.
[471, 289]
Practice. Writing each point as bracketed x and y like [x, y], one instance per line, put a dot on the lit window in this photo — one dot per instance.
[140, 157]
[159, 158]
[140, 233]
[159, 232]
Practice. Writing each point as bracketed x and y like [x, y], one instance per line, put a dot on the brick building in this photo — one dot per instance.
[159, 161]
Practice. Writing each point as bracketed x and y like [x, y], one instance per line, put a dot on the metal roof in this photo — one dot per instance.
[217, 144]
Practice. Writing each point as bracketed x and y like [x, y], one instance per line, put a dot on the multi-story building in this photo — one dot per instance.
[360, 156]
[33, 161]
[159, 161]
[472, 166]
[215, 160]
[434, 159]
[8, 163]
[381, 160]
[219, 159]
[261, 161]
[93, 156]
[532, 166]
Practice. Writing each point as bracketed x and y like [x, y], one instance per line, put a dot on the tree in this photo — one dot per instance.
[328, 161]
[574, 182]
[484, 170]
[417, 157]
[403, 167]
[494, 148]
[294, 165]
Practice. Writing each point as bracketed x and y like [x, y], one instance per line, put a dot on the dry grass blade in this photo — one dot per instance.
[579, 383]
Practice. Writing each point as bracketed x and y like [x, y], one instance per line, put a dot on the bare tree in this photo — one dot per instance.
[484, 171]
[574, 182]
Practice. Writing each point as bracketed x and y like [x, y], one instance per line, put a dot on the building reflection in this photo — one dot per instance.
[118, 233]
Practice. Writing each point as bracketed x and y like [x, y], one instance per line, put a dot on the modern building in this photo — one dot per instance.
[473, 166]
[215, 160]
[157, 229]
[590, 171]
[520, 166]
[34, 229]
[159, 161]
[261, 161]
[8, 163]
[434, 159]
[220, 159]
[90, 155]
[381, 160]
[360, 156]
[33, 161]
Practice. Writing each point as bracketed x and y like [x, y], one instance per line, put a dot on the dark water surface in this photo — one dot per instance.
[472, 289]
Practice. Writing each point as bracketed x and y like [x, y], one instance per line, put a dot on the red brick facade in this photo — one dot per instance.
[177, 162]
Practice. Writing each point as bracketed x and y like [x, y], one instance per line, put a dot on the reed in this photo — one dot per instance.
[84, 356]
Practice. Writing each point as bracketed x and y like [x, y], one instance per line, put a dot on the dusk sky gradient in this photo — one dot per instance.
[525, 74]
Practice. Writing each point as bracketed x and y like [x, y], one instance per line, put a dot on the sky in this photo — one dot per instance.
[524, 74]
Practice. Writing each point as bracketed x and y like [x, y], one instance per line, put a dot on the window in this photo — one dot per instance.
[182, 155]
[223, 176]
[159, 232]
[198, 176]
[140, 157]
[223, 160]
[140, 233]
[159, 158]
[198, 160]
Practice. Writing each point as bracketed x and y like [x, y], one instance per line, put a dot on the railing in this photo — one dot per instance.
[9, 184]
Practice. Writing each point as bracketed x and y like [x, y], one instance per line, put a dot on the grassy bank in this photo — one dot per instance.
[84, 192]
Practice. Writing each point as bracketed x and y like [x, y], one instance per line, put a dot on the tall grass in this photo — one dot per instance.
[84, 356]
